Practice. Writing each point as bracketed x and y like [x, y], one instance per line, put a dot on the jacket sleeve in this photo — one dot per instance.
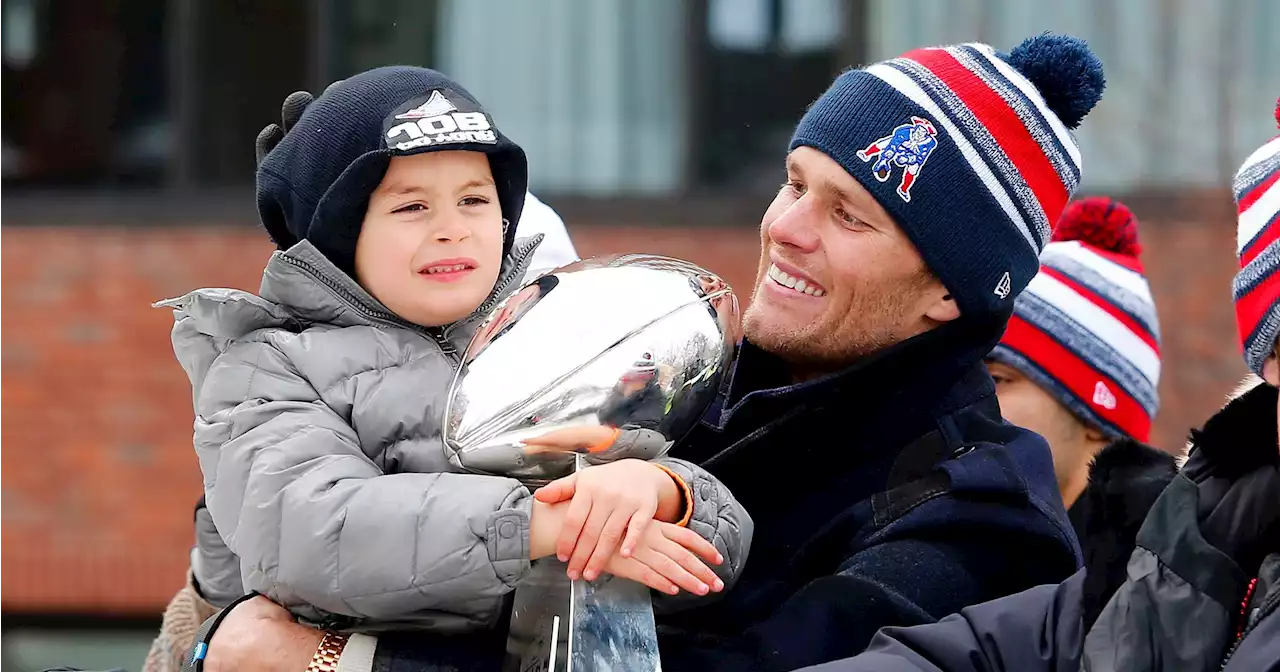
[215, 570]
[717, 517]
[1037, 630]
[314, 520]
[900, 582]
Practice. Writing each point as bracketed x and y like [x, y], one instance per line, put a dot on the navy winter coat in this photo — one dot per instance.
[1203, 588]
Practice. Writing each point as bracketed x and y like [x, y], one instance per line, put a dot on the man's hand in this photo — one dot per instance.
[609, 500]
[261, 636]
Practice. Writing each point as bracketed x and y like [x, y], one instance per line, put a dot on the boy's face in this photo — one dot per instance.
[430, 247]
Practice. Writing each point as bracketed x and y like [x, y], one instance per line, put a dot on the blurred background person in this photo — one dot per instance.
[1079, 365]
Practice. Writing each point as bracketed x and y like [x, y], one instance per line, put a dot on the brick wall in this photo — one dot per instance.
[98, 474]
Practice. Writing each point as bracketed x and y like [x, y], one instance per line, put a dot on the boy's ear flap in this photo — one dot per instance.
[272, 216]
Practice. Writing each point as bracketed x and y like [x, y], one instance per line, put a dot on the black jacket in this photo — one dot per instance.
[1203, 591]
[1124, 482]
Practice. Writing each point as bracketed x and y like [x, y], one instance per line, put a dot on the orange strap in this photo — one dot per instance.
[605, 444]
[688, 494]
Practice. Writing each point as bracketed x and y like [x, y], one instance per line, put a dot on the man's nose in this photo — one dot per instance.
[797, 226]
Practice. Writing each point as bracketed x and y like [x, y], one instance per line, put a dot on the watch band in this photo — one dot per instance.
[327, 654]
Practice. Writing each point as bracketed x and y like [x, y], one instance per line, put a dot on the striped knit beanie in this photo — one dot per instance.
[1085, 330]
[968, 149]
[1257, 286]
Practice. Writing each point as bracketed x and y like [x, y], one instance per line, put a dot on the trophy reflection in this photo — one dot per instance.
[602, 360]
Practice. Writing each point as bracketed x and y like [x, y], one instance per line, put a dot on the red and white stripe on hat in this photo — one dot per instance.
[1086, 328]
[1257, 286]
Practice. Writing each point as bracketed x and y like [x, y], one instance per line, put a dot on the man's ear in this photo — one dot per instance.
[942, 308]
[1271, 370]
[1095, 435]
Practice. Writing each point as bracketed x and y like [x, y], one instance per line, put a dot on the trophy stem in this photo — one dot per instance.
[558, 625]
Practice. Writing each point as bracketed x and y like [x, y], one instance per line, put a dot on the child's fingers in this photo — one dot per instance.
[587, 540]
[571, 528]
[635, 530]
[610, 536]
[558, 490]
[657, 560]
[690, 540]
[690, 563]
[629, 568]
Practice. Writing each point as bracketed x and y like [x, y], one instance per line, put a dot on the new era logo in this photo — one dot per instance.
[435, 106]
[1004, 287]
[1103, 397]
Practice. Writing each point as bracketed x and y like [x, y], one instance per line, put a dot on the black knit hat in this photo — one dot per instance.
[316, 183]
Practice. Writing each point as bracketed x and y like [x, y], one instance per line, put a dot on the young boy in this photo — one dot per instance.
[318, 401]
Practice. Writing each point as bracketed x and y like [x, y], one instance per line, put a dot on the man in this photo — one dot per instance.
[1079, 365]
[860, 427]
[1203, 591]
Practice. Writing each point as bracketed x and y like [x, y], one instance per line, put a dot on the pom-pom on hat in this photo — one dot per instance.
[1257, 287]
[968, 149]
[1085, 330]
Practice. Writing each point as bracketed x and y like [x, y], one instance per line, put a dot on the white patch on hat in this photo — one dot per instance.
[1103, 396]
[437, 120]
[1004, 287]
[435, 106]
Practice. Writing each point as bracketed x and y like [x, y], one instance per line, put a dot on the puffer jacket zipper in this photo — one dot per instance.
[521, 257]
[1251, 621]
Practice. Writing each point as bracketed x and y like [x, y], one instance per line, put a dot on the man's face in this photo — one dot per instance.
[838, 279]
[1271, 374]
[1027, 405]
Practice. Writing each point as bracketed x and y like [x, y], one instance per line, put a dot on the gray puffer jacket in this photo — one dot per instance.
[318, 433]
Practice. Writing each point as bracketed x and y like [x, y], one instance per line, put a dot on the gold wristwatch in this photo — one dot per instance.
[327, 654]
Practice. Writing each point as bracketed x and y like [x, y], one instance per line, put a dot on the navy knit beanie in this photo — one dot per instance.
[968, 150]
[316, 183]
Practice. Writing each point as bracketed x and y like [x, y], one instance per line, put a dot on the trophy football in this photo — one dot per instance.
[600, 360]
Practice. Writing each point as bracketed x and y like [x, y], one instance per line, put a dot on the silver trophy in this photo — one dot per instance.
[604, 359]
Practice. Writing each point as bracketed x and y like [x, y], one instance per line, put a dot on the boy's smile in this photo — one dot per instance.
[448, 270]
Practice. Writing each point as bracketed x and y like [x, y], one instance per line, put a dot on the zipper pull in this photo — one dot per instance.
[444, 343]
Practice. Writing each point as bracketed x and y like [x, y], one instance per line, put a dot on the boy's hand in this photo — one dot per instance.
[609, 500]
[667, 559]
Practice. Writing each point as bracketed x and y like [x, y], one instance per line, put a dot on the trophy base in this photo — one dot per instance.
[558, 625]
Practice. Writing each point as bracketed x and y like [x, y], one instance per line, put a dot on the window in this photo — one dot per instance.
[760, 64]
[85, 92]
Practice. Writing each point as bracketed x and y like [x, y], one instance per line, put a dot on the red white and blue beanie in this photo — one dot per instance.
[1257, 286]
[1085, 330]
[968, 149]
